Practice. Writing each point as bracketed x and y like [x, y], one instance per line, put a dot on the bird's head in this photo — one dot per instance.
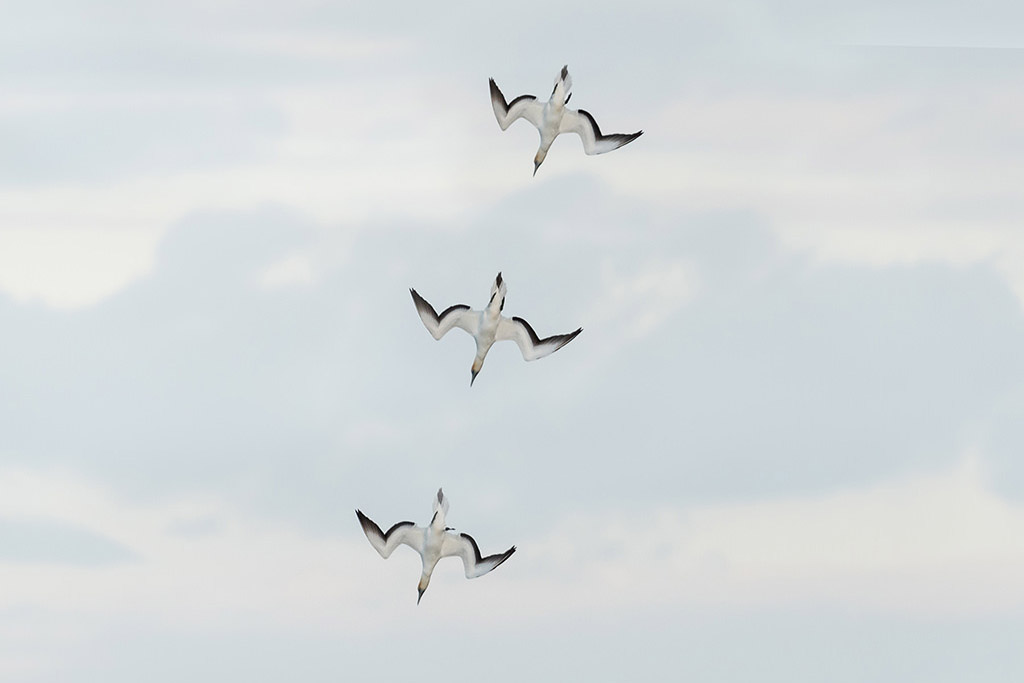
[422, 587]
[475, 370]
[539, 159]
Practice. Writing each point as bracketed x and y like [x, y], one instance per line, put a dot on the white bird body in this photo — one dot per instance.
[488, 326]
[432, 542]
[553, 118]
[552, 115]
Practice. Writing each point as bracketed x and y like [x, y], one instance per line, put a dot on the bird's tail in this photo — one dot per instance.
[566, 80]
[441, 502]
[498, 288]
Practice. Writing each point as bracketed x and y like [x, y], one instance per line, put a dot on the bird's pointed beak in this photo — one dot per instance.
[420, 596]
[473, 378]
[536, 165]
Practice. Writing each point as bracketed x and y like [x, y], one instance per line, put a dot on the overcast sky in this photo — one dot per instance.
[787, 445]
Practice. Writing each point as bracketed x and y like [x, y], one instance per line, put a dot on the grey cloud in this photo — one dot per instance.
[1000, 435]
[194, 527]
[43, 541]
[110, 141]
[150, 384]
[779, 377]
[122, 48]
[797, 647]
[125, 45]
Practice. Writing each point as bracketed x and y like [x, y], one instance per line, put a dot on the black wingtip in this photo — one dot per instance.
[497, 94]
[572, 336]
[498, 280]
[365, 522]
[504, 556]
[418, 300]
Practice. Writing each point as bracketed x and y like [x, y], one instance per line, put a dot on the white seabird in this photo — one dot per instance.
[432, 543]
[553, 119]
[488, 326]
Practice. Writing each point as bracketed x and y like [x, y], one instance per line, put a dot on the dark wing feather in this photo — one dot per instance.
[491, 561]
[437, 325]
[525, 106]
[616, 139]
[541, 347]
[369, 526]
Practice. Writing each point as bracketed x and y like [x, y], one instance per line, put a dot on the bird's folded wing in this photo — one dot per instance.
[385, 543]
[584, 125]
[525, 107]
[458, 315]
[465, 547]
[532, 347]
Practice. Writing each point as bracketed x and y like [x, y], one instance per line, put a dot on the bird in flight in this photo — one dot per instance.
[432, 543]
[488, 326]
[554, 118]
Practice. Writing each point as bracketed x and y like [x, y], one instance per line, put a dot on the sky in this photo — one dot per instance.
[787, 445]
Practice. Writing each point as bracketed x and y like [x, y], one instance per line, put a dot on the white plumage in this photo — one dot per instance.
[432, 543]
[488, 326]
[554, 118]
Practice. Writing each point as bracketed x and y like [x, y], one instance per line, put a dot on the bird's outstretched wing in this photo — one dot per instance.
[525, 107]
[531, 346]
[463, 545]
[402, 533]
[584, 125]
[458, 315]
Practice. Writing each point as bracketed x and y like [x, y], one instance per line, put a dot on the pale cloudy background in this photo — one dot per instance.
[787, 446]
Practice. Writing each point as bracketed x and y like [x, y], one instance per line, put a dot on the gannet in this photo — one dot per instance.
[553, 119]
[432, 543]
[488, 326]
